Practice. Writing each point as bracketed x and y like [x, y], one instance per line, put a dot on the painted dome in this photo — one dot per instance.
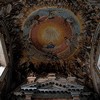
[52, 31]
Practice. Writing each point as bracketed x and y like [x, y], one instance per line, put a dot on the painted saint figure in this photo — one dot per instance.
[50, 45]
[70, 42]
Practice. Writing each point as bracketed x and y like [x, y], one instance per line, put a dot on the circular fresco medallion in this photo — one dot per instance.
[52, 33]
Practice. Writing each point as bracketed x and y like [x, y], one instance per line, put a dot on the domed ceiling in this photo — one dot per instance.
[52, 36]
[52, 33]
[58, 32]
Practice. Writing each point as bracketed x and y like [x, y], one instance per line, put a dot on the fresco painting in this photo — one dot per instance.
[53, 49]
[52, 30]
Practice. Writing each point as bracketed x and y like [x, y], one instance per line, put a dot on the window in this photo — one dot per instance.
[3, 58]
[1, 70]
[98, 62]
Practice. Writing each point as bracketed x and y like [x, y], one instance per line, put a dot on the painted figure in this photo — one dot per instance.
[50, 45]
